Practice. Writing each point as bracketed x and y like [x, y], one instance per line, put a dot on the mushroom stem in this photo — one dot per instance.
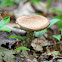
[29, 38]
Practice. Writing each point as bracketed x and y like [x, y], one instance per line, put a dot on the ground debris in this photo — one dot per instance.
[4, 40]
[7, 55]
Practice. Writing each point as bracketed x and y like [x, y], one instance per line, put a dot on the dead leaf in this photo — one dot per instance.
[7, 55]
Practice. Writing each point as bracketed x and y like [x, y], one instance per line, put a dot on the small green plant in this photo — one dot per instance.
[3, 23]
[17, 37]
[20, 38]
[56, 52]
[4, 3]
[48, 3]
[58, 37]
[3, 28]
[56, 10]
[21, 48]
[37, 2]
[59, 23]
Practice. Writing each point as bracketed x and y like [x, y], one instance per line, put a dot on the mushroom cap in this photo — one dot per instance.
[33, 22]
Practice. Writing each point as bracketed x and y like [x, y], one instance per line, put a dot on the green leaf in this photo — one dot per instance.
[5, 29]
[48, 3]
[56, 52]
[2, 2]
[39, 33]
[17, 37]
[56, 10]
[58, 37]
[60, 29]
[35, 14]
[53, 21]
[59, 23]
[36, 2]
[4, 21]
[21, 48]
[5, 3]
[18, 1]
[8, 3]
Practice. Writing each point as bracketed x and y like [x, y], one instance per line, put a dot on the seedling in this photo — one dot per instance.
[58, 37]
[4, 3]
[21, 48]
[56, 10]
[20, 38]
[2, 28]
[37, 2]
[56, 52]
[17, 37]
[48, 3]
[3, 23]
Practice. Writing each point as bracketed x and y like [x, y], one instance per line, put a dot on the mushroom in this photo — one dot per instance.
[32, 23]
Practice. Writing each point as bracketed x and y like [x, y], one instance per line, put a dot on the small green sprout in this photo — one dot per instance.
[56, 10]
[56, 52]
[58, 37]
[22, 48]
[3, 22]
[17, 37]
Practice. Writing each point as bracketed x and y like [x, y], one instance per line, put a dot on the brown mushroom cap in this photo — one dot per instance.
[33, 22]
